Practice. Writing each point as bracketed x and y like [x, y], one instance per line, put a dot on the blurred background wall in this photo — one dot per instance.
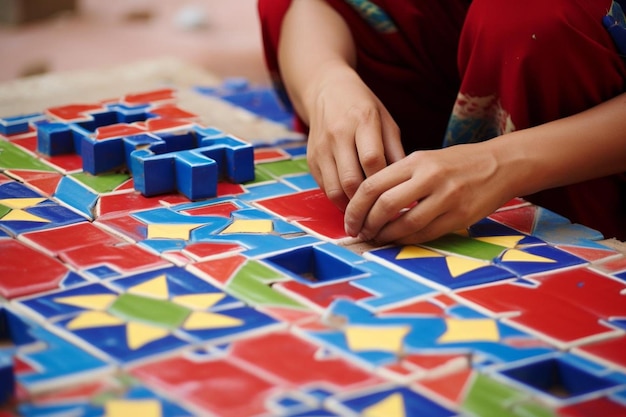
[39, 36]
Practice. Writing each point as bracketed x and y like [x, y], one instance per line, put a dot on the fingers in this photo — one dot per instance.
[394, 151]
[369, 145]
[379, 199]
[324, 171]
[427, 220]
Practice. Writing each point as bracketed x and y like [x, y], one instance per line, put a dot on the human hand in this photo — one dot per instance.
[351, 134]
[428, 194]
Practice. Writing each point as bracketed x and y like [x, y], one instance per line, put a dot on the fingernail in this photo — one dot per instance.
[349, 230]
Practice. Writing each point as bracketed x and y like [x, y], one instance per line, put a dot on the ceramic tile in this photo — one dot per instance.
[562, 379]
[311, 210]
[380, 340]
[185, 302]
[398, 401]
[257, 99]
[42, 358]
[554, 302]
[23, 210]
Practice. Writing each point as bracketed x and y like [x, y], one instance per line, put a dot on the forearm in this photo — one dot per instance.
[581, 147]
[314, 39]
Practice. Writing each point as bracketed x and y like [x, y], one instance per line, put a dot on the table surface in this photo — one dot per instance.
[255, 302]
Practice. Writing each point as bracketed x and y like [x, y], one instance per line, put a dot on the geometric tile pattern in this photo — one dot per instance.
[255, 302]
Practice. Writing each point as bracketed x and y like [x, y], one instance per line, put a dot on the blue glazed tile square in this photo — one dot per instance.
[380, 401]
[535, 259]
[444, 272]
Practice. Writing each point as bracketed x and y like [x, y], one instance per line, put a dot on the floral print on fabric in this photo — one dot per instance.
[615, 23]
[375, 16]
[475, 119]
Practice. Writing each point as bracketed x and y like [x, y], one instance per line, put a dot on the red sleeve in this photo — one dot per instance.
[271, 15]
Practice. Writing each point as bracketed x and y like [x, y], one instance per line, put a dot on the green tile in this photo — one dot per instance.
[466, 246]
[12, 157]
[101, 183]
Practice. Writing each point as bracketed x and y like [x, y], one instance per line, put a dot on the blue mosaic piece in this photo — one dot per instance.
[76, 195]
[18, 124]
[402, 399]
[420, 333]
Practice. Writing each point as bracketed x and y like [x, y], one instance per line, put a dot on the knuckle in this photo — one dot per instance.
[350, 183]
[371, 160]
[368, 188]
[386, 203]
[336, 195]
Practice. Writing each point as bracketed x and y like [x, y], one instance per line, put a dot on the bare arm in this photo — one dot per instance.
[458, 186]
[351, 136]
[584, 146]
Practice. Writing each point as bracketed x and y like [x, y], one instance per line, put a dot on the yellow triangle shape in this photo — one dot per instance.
[137, 408]
[414, 252]
[250, 226]
[90, 302]
[170, 231]
[392, 406]
[199, 301]
[20, 203]
[459, 266]
[514, 255]
[470, 330]
[506, 241]
[24, 216]
[376, 338]
[91, 319]
[199, 320]
[154, 288]
[139, 334]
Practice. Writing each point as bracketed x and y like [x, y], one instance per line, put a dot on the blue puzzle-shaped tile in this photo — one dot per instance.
[193, 172]
[18, 124]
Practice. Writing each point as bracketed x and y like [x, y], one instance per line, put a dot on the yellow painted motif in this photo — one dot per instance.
[134, 408]
[392, 406]
[515, 255]
[90, 302]
[199, 301]
[459, 266]
[171, 231]
[21, 203]
[202, 320]
[154, 288]
[23, 216]
[250, 226]
[470, 330]
[139, 334]
[389, 339]
[506, 241]
[414, 252]
[90, 319]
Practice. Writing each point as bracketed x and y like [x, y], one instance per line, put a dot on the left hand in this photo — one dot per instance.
[428, 194]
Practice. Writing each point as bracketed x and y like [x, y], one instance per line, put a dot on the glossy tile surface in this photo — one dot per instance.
[253, 301]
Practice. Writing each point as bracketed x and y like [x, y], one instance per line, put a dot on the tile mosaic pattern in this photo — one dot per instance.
[254, 302]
